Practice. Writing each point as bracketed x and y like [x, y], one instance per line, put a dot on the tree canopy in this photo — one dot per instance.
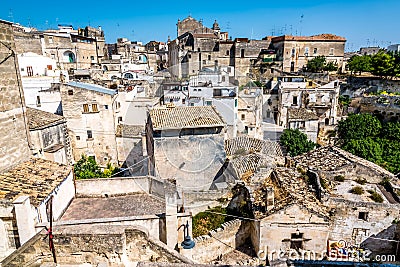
[296, 142]
[319, 64]
[383, 64]
[365, 136]
[87, 168]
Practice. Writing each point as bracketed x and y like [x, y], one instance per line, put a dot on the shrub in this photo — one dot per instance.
[204, 222]
[376, 197]
[358, 190]
[361, 181]
[339, 178]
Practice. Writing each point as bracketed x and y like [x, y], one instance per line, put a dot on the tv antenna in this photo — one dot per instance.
[301, 23]
[11, 16]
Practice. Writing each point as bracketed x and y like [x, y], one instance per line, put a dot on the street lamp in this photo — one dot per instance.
[187, 243]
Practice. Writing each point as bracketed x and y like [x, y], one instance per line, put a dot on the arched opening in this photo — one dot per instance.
[143, 58]
[69, 56]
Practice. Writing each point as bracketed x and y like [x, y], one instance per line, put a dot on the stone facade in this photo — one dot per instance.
[295, 51]
[49, 136]
[14, 140]
[112, 246]
[90, 112]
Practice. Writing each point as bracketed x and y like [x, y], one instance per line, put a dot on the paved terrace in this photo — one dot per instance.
[84, 208]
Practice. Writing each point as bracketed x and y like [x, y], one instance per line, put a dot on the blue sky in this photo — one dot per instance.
[362, 22]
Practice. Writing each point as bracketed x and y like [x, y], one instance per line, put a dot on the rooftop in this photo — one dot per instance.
[84, 208]
[93, 87]
[289, 188]
[185, 117]
[129, 131]
[302, 114]
[319, 37]
[36, 178]
[38, 118]
[331, 158]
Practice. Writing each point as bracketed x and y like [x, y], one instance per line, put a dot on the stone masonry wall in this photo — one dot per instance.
[13, 129]
[103, 246]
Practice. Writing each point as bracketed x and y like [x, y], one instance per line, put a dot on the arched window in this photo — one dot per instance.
[69, 56]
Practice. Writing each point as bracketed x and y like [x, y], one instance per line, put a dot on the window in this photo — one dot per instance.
[208, 103]
[209, 57]
[315, 51]
[29, 70]
[268, 113]
[363, 216]
[331, 51]
[302, 125]
[223, 78]
[85, 108]
[236, 103]
[50, 39]
[22, 69]
[293, 52]
[198, 49]
[183, 101]
[38, 101]
[242, 53]
[49, 67]
[94, 108]
[243, 117]
[306, 51]
[227, 52]
[70, 92]
[89, 134]
[296, 241]
[105, 106]
[295, 100]
[204, 61]
[78, 137]
[189, 56]
[310, 83]
[92, 57]
[119, 119]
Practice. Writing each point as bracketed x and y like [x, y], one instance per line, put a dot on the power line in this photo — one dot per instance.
[133, 165]
[258, 220]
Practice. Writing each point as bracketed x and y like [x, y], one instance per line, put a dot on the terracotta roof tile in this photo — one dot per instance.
[185, 117]
[36, 178]
[39, 118]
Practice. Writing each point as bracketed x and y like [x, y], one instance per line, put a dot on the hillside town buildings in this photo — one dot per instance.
[183, 126]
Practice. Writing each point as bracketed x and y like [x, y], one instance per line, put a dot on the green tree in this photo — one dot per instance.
[367, 148]
[87, 168]
[391, 131]
[383, 64]
[359, 64]
[296, 142]
[359, 126]
[331, 66]
[316, 64]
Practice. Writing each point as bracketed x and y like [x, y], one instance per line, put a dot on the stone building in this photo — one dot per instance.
[72, 49]
[295, 51]
[311, 203]
[14, 141]
[41, 82]
[197, 46]
[25, 193]
[302, 104]
[49, 136]
[186, 144]
[250, 112]
[26, 184]
[90, 111]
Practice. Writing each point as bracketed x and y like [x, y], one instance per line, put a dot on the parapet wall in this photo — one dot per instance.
[120, 186]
